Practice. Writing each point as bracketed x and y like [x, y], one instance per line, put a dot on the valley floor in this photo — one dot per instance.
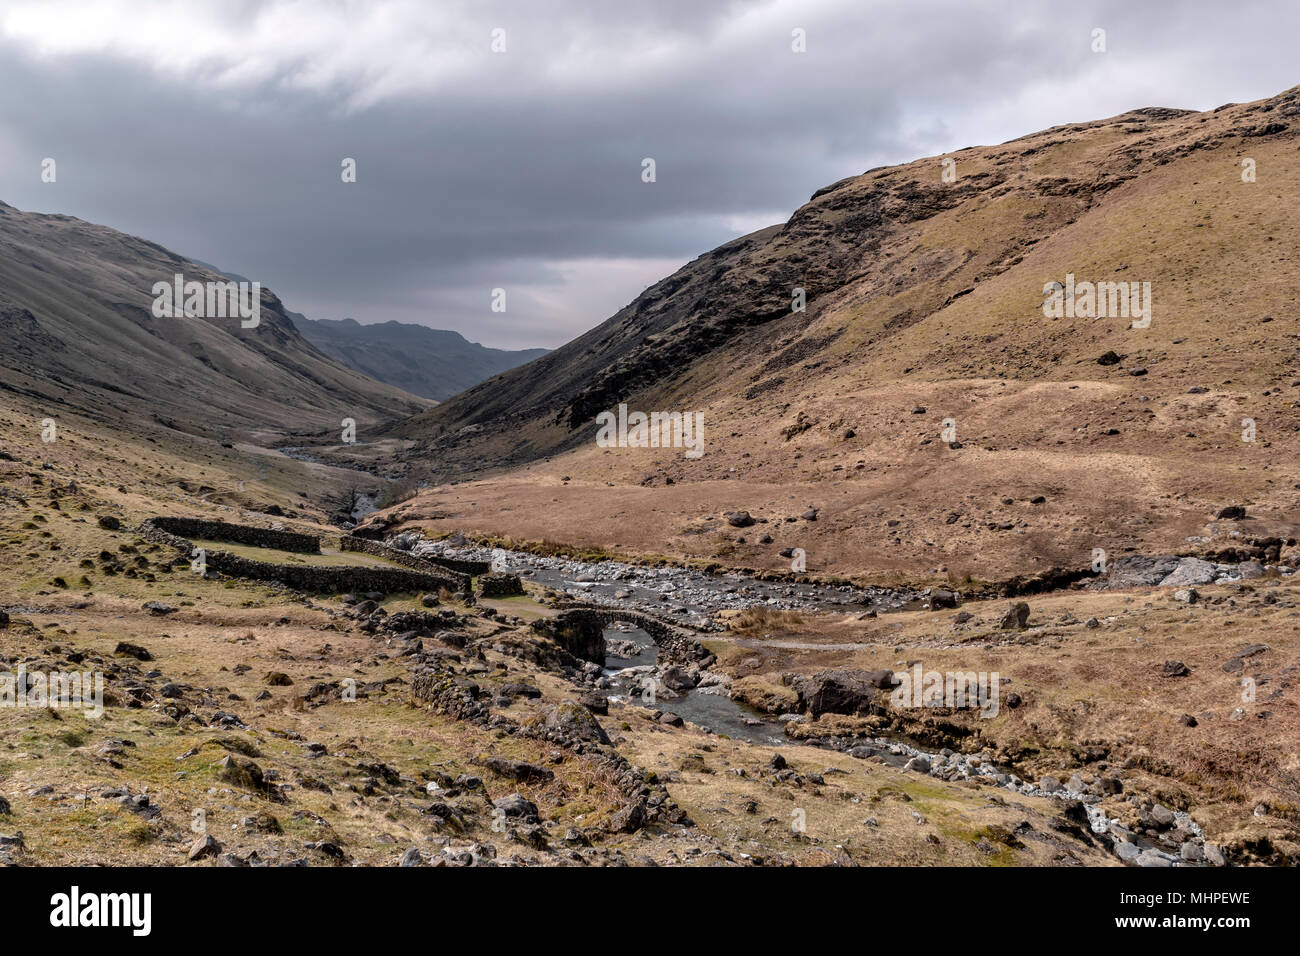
[230, 716]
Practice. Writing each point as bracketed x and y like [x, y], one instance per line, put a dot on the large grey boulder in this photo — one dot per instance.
[1189, 572]
[516, 805]
[1017, 617]
[1139, 571]
[571, 719]
[841, 691]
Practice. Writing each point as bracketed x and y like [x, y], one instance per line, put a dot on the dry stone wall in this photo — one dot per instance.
[460, 570]
[313, 579]
[499, 584]
[191, 528]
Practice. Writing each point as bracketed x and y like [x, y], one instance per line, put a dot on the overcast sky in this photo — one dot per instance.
[218, 128]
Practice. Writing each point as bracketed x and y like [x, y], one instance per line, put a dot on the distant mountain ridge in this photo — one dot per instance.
[433, 363]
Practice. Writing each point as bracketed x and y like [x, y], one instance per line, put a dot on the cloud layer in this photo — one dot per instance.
[218, 128]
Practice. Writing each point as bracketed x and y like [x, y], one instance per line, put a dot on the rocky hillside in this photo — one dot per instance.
[435, 363]
[925, 397]
[80, 338]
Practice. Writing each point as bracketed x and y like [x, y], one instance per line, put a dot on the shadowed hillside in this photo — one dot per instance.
[80, 339]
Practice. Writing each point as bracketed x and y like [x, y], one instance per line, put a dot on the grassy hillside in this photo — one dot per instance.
[925, 304]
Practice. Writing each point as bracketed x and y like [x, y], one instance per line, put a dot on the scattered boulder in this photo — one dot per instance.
[242, 773]
[1017, 617]
[125, 649]
[516, 805]
[1189, 571]
[840, 691]
[629, 818]
[573, 720]
[941, 597]
[412, 857]
[109, 523]
[204, 847]
[740, 519]
[517, 770]
[678, 678]
[1128, 852]
[1154, 858]
[1237, 661]
[1140, 570]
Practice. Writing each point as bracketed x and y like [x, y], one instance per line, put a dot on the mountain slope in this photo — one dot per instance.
[434, 363]
[79, 337]
[925, 304]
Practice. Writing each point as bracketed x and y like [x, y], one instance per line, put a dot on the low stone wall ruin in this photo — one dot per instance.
[430, 565]
[191, 528]
[312, 579]
[499, 584]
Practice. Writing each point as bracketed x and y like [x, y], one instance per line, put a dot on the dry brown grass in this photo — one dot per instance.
[1030, 400]
[765, 621]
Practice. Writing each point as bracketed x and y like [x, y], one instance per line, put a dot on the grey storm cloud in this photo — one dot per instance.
[218, 129]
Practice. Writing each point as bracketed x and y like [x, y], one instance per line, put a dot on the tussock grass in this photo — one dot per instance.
[759, 621]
